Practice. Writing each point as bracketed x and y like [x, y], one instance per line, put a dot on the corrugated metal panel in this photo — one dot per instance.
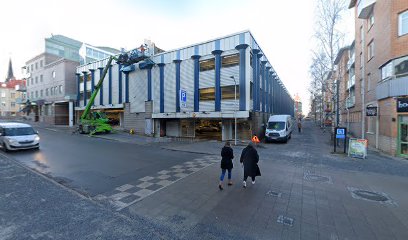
[207, 79]
[208, 106]
[187, 81]
[170, 88]
[115, 84]
[226, 73]
[230, 104]
[137, 90]
[156, 89]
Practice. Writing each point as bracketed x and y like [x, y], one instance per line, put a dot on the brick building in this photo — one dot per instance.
[381, 73]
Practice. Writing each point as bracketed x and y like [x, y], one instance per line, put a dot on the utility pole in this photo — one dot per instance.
[363, 84]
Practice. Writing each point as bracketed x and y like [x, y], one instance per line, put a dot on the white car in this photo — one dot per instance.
[16, 136]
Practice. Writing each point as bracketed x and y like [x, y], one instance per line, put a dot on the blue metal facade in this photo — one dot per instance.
[149, 83]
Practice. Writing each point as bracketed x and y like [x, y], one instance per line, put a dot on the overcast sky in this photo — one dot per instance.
[283, 29]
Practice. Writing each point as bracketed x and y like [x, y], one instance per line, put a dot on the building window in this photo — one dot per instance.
[207, 65]
[403, 23]
[13, 95]
[51, 91]
[41, 63]
[361, 34]
[370, 50]
[36, 94]
[28, 69]
[41, 78]
[46, 92]
[36, 65]
[230, 60]
[12, 104]
[401, 66]
[386, 71]
[361, 60]
[28, 81]
[32, 67]
[32, 94]
[371, 21]
[227, 92]
[3, 94]
[60, 89]
[53, 74]
[369, 82]
[36, 80]
[3, 104]
[32, 81]
[41, 93]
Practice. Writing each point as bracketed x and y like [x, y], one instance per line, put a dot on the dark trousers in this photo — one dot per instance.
[246, 177]
[223, 174]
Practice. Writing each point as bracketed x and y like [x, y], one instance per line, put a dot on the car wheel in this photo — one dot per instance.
[286, 139]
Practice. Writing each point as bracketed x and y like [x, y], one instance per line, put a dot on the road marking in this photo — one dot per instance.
[133, 192]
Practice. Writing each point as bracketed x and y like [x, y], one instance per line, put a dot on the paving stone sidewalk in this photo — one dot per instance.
[33, 207]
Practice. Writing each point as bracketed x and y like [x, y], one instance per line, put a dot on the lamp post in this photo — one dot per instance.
[235, 110]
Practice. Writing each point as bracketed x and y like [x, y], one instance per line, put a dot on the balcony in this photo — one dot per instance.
[365, 8]
[392, 87]
[351, 102]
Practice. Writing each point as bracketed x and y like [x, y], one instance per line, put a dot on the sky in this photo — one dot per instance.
[283, 29]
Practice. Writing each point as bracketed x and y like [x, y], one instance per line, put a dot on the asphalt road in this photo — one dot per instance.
[93, 166]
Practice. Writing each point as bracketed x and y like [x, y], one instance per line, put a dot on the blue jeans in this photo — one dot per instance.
[223, 174]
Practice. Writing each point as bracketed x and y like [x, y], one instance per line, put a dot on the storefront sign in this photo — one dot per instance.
[358, 148]
[402, 104]
[371, 111]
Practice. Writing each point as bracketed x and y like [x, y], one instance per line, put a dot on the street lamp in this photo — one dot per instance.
[235, 110]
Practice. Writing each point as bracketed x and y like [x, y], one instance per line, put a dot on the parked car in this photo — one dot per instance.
[17, 136]
[279, 128]
[207, 128]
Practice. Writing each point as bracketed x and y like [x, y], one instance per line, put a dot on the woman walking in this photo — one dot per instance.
[249, 160]
[227, 155]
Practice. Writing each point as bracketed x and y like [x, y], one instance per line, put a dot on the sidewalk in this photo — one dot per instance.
[35, 207]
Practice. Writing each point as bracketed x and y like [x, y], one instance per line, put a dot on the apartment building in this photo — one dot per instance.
[10, 97]
[381, 73]
[51, 82]
[209, 76]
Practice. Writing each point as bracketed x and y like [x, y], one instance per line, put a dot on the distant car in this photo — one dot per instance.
[202, 129]
[18, 136]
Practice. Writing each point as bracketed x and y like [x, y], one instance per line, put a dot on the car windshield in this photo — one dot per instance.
[276, 125]
[19, 131]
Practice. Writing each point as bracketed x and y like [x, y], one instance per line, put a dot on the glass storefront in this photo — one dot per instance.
[403, 136]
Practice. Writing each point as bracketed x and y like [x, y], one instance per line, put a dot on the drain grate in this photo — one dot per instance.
[317, 178]
[274, 194]
[370, 195]
[285, 220]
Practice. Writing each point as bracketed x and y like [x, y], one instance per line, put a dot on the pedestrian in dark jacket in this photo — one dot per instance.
[227, 155]
[249, 160]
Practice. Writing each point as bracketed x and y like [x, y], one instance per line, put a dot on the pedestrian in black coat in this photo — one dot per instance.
[227, 155]
[249, 160]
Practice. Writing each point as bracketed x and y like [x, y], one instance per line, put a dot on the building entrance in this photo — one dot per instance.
[403, 136]
[208, 129]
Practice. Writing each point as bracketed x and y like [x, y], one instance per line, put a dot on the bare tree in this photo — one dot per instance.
[328, 41]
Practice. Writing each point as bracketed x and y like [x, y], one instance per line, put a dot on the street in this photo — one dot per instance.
[305, 191]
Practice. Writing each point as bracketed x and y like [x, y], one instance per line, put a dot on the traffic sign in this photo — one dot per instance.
[183, 98]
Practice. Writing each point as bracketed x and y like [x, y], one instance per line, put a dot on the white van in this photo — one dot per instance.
[17, 136]
[279, 128]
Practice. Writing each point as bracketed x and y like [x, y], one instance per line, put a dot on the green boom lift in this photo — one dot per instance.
[96, 122]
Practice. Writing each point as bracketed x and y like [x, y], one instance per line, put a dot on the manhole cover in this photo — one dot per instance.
[317, 178]
[370, 195]
[285, 220]
[273, 193]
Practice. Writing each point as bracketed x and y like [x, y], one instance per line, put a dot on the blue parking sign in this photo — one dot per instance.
[183, 98]
[340, 131]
